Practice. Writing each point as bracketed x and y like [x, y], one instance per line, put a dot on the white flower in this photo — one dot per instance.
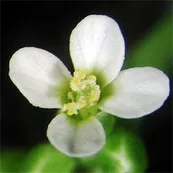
[97, 51]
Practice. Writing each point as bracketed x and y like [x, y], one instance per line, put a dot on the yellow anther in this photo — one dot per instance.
[95, 94]
[91, 78]
[74, 84]
[82, 102]
[70, 108]
[79, 74]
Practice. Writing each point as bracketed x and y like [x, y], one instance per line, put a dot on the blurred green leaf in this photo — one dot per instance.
[10, 160]
[45, 158]
[155, 48]
[100, 162]
[125, 148]
[121, 155]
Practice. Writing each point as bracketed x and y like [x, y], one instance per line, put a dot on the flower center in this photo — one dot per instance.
[84, 93]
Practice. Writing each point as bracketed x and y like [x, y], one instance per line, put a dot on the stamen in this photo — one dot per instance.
[84, 92]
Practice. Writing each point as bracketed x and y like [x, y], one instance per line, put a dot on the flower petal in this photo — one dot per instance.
[96, 43]
[138, 92]
[37, 74]
[75, 138]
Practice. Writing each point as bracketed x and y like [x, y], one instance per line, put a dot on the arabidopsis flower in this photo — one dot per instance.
[97, 51]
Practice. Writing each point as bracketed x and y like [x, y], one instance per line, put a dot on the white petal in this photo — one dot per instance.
[37, 73]
[138, 92]
[97, 43]
[76, 139]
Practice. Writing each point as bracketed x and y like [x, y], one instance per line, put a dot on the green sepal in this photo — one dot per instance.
[44, 158]
[107, 121]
